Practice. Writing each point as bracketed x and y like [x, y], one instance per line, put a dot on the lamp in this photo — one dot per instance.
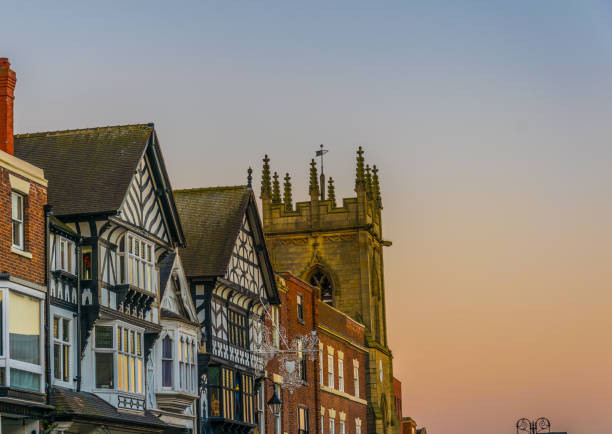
[274, 404]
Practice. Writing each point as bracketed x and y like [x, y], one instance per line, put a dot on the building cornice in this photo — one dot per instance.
[23, 168]
[342, 394]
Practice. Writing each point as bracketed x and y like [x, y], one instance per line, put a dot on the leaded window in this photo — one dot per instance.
[238, 329]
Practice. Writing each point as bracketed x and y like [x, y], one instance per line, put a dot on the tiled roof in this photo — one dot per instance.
[86, 405]
[89, 170]
[211, 219]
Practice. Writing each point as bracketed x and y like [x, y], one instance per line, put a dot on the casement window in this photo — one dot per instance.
[137, 262]
[17, 208]
[61, 348]
[330, 370]
[238, 329]
[356, 379]
[332, 425]
[341, 375]
[128, 350]
[342, 427]
[300, 307]
[20, 346]
[302, 361]
[167, 362]
[232, 394]
[302, 420]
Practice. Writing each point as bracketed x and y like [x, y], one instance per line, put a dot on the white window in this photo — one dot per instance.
[321, 366]
[332, 426]
[129, 351]
[330, 370]
[17, 219]
[322, 424]
[187, 365]
[341, 375]
[357, 426]
[342, 427]
[61, 348]
[136, 262]
[20, 342]
[356, 380]
[64, 259]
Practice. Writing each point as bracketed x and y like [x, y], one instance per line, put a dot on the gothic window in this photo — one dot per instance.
[321, 280]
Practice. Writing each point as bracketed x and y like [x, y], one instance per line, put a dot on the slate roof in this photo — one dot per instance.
[85, 405]
[211, 219]
[89, 170]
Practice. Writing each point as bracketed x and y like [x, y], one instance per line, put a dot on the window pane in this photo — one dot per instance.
[66, 330]
[167, 373]
[57, 363]
[139, 375]
[132, 343]
[104, 370]
[121, 372]
[56, 327]
[126, 340]
[167, 348]
[131, 374]
[104, 337]
[25, 380]
[138, 344]
[66, 357]
[24, 328]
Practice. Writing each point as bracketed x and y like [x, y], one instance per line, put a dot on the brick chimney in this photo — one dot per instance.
[7, 96]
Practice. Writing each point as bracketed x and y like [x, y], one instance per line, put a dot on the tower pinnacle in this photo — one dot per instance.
[265, 179]
[287, 194]
[276, 197]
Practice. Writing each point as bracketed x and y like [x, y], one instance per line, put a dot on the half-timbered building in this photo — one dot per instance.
[114, 225]
[232, 283]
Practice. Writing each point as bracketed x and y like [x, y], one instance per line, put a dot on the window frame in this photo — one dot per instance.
[300, 307]
[302, 411]
[19, 222]
[238, 329]
[332, 425]
[356, 379]
[59, 340]
[340, 375]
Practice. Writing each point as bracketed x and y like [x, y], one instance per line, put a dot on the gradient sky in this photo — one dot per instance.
[490, 122]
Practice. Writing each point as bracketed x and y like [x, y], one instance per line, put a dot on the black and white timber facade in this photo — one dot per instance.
[232, 282]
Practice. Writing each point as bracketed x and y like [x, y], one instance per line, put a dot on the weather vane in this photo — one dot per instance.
[320, 153]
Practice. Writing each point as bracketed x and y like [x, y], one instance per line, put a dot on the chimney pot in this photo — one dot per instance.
[8, 79]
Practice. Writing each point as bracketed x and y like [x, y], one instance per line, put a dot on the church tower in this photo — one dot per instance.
[338, 249]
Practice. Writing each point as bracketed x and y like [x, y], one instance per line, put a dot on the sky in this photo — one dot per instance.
[490, 123]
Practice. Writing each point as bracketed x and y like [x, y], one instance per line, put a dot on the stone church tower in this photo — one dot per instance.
[340, 250]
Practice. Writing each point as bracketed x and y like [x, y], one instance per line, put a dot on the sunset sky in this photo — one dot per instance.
[491, 123]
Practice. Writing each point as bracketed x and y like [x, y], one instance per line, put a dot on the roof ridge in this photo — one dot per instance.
[219, 188]
[59, 132]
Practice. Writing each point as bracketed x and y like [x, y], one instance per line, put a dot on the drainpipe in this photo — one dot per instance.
[78, 319]
[48, 214]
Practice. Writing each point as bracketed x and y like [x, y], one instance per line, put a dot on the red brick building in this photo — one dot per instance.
[342, 379]
[23, 195]
[331, 399]
[397, 397]
[297, 315]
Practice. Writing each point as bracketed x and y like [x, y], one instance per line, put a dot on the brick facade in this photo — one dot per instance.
[397, 397]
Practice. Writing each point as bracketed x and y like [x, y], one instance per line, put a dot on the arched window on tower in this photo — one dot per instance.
[320, 279]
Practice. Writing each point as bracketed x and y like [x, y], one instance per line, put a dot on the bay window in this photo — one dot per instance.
[232, 394]
[136, 262]
[64, 259]
[21, 343]
[120, 358]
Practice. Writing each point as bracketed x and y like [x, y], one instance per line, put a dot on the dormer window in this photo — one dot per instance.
[136, 262]
[17, 208]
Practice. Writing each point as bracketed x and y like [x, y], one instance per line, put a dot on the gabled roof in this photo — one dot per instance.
[211, 220]
[180, 288]
[90, 170]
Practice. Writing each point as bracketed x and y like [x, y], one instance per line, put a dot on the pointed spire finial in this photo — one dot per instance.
[266, 188]
[250, 178]
[314, 182]
[331, 192]
[360, 177]
[376, 187]
[287, 199]
[276, 197]
[368, 179]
